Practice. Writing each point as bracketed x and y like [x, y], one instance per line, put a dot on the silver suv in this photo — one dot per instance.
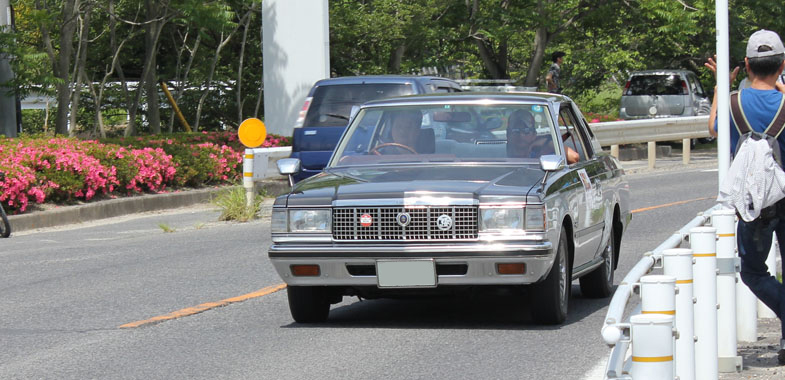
[663, 93]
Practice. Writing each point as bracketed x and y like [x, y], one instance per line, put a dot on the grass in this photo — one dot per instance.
[166, 228]
[233, 205]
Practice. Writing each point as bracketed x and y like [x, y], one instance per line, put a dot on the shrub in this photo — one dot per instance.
[233, 205]
[40, 169]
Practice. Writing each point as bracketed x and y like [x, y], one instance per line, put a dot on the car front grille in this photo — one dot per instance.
[423, 223]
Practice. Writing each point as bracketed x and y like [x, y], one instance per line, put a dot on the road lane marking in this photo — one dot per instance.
[670, 204]
[204, 307]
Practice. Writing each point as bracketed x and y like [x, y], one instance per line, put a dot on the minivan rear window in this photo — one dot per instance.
[332, 105]
[660, 84]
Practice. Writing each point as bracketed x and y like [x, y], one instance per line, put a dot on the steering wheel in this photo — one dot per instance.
[386, 145]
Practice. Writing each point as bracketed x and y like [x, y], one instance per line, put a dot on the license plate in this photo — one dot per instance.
[405, 273]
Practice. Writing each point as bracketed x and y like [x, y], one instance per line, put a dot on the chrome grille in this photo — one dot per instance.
[422, 225]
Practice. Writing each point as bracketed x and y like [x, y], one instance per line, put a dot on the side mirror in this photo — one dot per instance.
[288, 166]
[551, 162]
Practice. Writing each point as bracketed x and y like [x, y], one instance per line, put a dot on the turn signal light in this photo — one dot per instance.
[305, 270]
[511, 268]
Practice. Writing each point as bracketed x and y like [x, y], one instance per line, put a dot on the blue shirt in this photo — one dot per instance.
[760, 107]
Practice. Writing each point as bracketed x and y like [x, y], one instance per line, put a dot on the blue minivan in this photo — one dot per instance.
[326, 111]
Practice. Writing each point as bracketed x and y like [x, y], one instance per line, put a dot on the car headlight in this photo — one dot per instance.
[310, 221]
[501, 219]
[512, 219]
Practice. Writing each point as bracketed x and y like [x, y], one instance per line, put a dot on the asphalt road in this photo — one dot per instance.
[65, 292]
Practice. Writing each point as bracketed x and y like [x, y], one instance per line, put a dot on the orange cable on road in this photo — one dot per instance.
[670, 204]
[204, 307]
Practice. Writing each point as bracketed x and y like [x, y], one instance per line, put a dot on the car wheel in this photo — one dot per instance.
[551, 297]
[308, 304]
[599, 283]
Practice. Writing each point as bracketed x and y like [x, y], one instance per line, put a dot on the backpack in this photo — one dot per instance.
[756, 180]
[771, 133]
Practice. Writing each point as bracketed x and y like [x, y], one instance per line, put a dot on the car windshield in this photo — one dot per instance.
[332, 104]
[433, 133]
[659, 84]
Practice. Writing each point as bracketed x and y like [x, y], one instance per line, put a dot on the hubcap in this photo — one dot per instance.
[563, 278]
[609, 260]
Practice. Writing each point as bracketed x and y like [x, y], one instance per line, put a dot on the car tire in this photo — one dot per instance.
[550, 298]
[308, 304]
[599, 283]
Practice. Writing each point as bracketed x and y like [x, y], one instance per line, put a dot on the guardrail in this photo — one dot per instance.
[615, 133]
[661, 339]
[258, 164]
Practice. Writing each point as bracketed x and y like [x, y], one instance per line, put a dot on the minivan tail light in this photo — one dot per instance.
[301, 117]
[627, 88]
[684, 90]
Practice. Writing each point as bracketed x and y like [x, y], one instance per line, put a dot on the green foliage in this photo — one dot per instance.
[603, 101]
[604, 41]
[234, 206]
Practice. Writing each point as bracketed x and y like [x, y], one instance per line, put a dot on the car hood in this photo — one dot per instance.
[484, 183]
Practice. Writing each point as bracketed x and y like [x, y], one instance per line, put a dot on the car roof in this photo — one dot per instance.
[472, 97]
[361, 79]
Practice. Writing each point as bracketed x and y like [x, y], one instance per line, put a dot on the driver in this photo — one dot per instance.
[404, 130]
[522, 139]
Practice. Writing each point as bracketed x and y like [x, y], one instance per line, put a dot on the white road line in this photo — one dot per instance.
[596, 373]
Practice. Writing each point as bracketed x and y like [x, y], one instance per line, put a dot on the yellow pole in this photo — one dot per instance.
[175, 107]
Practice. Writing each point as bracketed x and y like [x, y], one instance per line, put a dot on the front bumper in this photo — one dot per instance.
[471, 264]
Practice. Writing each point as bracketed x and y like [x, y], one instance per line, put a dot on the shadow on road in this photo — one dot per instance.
[478, 310]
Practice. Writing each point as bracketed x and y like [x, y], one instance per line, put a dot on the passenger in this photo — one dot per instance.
[523, 142]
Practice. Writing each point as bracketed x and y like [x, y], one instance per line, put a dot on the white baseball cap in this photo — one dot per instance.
[766, 38]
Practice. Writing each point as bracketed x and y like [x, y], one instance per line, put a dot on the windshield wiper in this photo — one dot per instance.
[338, 116]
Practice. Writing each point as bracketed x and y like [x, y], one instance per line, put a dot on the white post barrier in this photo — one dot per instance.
[658, 294]
[746, 313]
[677, 262]
[652, 360]
[248, 181]
[724, 221]
[771, 262]
[746, 310]
[704, 250]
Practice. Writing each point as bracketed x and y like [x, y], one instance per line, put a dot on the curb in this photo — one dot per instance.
[124, 206]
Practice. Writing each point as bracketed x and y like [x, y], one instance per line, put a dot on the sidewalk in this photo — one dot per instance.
[699, 159]
[53, 216]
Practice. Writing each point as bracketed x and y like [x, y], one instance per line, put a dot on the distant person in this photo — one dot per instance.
[523, 142]
[553, 79]
[760, 102]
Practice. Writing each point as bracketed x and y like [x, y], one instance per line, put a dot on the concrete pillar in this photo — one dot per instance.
[8, 122]
[296, 53]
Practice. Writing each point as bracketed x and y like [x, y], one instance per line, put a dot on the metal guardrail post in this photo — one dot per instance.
[677, 262]
[685, 150]
[652, 153]
[724, 221]
[615, 150]
[654, 359]
[704, 248]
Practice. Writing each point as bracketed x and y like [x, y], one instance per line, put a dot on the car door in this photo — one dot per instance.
[587, 192]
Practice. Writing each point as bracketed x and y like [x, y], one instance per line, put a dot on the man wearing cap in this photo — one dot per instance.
[760, 104]
[552, 79]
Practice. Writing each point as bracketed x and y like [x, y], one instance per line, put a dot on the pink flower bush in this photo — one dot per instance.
[41, 170]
